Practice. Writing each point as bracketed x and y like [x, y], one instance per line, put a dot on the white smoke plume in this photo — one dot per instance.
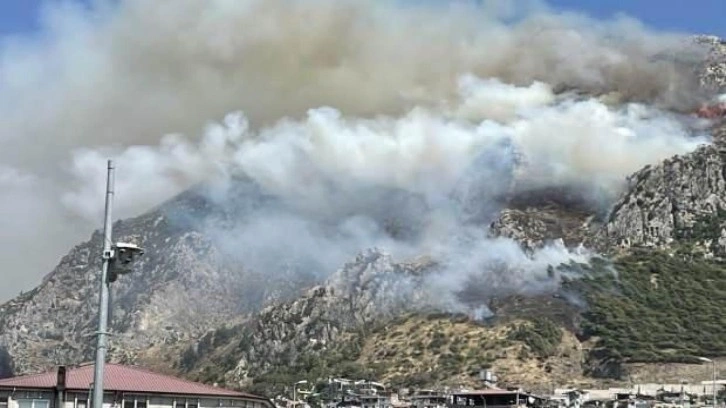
[346, 183]
[338, 100]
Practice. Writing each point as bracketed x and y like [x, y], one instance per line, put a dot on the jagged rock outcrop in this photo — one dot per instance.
[178, 291]
[375, 312]
[714, 73]
[535, 227]
[370, 289]
[181, 288]
[677, 199]
[535, 218]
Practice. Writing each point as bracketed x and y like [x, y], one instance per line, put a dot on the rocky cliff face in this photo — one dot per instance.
[537, 218]
[370, 289]
[714, 74]
[163, 303]
[682, 198]
[376, 317]
[182, 287]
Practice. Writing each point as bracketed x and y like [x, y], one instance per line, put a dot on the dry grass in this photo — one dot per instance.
[450, 352]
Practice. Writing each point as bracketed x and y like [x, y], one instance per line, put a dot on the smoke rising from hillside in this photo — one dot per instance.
[426, 182]
[311, 78]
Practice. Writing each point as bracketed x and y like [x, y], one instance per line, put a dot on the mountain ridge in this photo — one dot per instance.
[194, 310]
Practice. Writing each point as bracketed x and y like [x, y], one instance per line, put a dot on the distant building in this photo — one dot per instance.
[124, 387]
[573, 398]
[428, 399]
[493, 398]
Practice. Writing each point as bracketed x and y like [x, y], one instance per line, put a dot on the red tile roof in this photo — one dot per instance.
[122, 378]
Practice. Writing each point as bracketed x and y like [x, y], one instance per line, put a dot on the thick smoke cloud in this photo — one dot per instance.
[340, 99]
[423, 183]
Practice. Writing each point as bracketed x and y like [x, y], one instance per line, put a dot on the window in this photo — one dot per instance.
[33, 403]
[81, 404]
[192, 405]
[161, 401]
[209, 403]
[131, 401]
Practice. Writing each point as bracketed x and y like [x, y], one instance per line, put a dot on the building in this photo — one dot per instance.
[572, 398]
[493, 398]
[124, 387]
[375, 400]
[428, 399]
[675, 393]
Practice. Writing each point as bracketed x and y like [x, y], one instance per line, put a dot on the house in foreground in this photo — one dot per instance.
[124, 387]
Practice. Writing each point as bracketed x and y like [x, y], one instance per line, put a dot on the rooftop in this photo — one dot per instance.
[488, 392]
[121, 378]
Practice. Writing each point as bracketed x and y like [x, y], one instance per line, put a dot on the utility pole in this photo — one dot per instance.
[713, 364]
[713, 377]
[103, 295]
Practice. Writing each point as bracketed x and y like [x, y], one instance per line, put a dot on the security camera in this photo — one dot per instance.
[126, 253]
[122, 256]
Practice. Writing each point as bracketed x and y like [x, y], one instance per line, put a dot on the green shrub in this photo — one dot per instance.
[541, 336]
[658, 307]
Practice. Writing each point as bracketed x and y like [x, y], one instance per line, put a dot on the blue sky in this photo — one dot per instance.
[696, 16]
[17, 15]
[693, 16]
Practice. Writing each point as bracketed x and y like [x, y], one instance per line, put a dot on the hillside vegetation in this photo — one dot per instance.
[655, 306]
[419, 351]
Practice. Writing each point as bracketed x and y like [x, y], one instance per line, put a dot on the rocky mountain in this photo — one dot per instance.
[368, 290]
[163, 304]
[714, 74]
[193, 308]
[535, 218]
[617, 316]
[374, 318]
[678, 199]
[183, 287]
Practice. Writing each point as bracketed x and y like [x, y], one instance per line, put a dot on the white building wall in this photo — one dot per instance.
[229, 403]
[14, 400]
[705, 388]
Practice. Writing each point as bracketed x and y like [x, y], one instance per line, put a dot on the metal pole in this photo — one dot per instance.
[713, 364]
[103, 296]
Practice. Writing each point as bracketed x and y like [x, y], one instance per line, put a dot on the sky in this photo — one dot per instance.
[19, 17]
[693, 16]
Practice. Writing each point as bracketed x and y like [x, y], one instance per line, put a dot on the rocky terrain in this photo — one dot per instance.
[714, 75]
[372, 319]
[183, 287]
[540, 217]
[193, 309]
[683, 198]
[368, 290]
[163, 304]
